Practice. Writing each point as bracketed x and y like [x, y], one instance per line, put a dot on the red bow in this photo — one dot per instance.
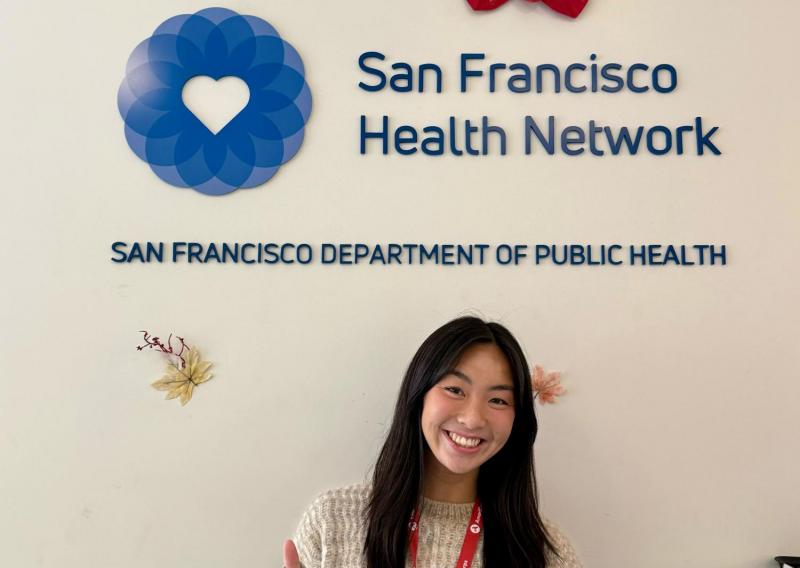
[571, 8]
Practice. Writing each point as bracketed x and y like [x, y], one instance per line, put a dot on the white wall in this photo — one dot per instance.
[677, 443]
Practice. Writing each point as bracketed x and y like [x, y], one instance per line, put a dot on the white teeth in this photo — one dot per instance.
[464, 442]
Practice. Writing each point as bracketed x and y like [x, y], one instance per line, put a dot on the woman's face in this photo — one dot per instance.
[468, 415]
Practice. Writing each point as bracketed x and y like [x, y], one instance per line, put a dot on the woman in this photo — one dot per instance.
[454, 484]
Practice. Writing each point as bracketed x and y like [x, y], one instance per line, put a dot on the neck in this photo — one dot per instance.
[441, 484]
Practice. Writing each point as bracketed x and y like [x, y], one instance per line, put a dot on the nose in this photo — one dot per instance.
[472, 415]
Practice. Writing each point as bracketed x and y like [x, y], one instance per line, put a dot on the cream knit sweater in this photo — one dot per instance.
[332, 531]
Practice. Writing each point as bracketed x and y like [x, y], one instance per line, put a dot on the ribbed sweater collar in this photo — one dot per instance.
[458, 512]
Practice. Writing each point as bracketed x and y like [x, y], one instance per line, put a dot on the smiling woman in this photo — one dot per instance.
[454, 483]
[466, 421]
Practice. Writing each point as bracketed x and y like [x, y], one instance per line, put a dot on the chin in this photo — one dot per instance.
[452, 468]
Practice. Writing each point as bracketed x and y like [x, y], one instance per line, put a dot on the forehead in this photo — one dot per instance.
[485, 363]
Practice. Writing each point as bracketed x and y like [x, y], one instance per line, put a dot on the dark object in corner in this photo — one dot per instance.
[793, 561]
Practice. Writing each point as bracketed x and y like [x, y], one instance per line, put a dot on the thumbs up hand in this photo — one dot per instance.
[290, 557]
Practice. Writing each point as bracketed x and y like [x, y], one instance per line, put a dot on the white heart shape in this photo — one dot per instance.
[215, 103]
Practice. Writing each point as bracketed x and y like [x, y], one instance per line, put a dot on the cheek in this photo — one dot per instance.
[428, 416]
[504, 427]
[434, 410]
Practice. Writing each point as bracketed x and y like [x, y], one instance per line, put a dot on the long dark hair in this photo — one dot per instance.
[514, 536]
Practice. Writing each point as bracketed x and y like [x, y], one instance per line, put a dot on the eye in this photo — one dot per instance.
[454, 390]
[500, 401]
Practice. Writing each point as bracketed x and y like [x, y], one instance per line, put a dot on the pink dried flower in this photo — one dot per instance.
[151, 342]
[546, 386]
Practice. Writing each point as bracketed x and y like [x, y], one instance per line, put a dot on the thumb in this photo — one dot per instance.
[290, 557]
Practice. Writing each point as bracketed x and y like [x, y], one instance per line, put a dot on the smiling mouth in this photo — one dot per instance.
[463, 442]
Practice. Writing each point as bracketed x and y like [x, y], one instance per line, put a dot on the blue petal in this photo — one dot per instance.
[234, 171]
[162, 99]
[269, 153]
[195, 170]
[215, 150]
[241, 44]
[288, 120]
[190, 141]
[216, 54]
[259, 176]
[161, 151]
[141, 117]
[196, 30]
[268, 50]
[261, 126]
[169, 125]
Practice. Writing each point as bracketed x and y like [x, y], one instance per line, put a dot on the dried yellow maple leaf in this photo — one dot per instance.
[180, 382]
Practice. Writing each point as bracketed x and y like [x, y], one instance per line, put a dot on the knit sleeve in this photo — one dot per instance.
[567, 558]
[308, 537]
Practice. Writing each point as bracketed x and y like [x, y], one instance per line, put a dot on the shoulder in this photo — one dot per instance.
[332, 527]
[343, 500]
[567, 557]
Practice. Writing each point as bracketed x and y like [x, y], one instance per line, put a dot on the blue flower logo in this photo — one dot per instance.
[217, 43]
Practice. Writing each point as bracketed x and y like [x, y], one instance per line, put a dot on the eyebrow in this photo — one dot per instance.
[464, 377]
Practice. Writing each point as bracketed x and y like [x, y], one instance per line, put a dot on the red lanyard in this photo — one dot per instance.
[471, 537]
